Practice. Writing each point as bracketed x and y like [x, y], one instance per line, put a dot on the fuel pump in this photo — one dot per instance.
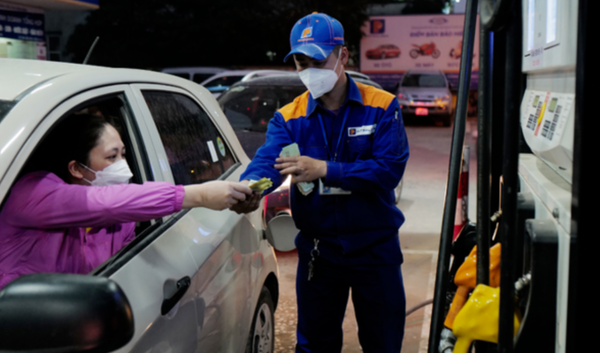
[536, 124]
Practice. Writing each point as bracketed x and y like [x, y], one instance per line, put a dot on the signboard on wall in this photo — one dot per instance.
[393, 45]
[22, 25]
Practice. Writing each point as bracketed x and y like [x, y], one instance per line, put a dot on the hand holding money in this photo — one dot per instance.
[301, 168]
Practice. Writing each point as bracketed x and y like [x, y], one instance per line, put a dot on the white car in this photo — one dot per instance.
[196, 281]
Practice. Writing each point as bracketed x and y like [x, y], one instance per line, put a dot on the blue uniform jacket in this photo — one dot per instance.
[370, 162]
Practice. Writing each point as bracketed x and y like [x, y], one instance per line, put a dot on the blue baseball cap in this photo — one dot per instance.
[315, 36]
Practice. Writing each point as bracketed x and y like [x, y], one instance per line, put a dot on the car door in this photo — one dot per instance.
[191, 148]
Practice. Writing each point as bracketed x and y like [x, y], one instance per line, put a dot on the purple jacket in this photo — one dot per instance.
[48, 225]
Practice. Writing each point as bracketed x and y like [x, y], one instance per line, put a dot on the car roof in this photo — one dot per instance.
[21, 76]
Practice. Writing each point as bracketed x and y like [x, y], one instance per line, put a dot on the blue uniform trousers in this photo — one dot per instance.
[377, 295]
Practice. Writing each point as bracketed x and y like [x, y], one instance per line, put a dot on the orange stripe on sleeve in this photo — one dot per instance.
[296, 109]
[374, 97]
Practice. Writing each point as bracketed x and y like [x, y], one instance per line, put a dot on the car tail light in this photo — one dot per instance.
[400, 95]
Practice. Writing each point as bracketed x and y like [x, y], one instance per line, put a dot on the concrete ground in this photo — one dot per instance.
[422, 204]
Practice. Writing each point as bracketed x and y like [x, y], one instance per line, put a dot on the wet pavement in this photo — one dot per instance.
[422, 204]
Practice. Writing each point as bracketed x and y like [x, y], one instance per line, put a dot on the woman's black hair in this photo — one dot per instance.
[73, 138]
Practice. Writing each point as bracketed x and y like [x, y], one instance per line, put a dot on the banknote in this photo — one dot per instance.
[293, 151]
[260, 185]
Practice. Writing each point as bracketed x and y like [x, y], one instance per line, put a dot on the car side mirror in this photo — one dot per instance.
[281, 232]
[64, 313]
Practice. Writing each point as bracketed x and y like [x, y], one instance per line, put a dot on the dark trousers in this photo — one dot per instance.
[377, 295]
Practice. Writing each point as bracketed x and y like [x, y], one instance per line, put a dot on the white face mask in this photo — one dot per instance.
[320, 81]
[115, 174]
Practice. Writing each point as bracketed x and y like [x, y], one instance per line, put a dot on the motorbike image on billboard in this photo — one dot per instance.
[393, 45]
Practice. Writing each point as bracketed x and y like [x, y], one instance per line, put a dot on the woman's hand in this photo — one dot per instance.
[216, 195]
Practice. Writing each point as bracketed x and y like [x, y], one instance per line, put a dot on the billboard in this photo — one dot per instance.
[393, 45]
[22, 25]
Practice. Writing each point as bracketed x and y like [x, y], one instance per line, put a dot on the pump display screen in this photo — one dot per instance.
[552, 105]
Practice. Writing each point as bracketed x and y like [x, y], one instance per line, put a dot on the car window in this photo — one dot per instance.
[5, 107]
[199, 78]
[250, 108]
[423, 80]
[196, 151]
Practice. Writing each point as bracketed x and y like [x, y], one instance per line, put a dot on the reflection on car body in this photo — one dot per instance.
[195, 280]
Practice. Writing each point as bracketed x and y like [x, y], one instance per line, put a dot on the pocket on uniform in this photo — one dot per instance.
[316, 152]
[359, 144]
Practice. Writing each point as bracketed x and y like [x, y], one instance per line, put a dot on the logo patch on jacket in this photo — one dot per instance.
[362, 130]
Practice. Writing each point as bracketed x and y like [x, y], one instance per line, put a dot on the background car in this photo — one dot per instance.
[197, 74]
[220, 82]
[250, 105]
[426, 93]
[198, 280]
[383, 52]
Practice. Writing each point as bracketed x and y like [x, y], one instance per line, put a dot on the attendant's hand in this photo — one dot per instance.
[251, 204]
[216, 195]
[301, 168]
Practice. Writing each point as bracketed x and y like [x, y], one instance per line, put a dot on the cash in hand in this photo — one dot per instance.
[293, 151]
[260, 185]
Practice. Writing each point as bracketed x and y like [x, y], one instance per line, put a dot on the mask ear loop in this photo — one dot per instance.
[88, 168]
[337, 61]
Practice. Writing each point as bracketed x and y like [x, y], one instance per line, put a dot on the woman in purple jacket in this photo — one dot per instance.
[79, 209]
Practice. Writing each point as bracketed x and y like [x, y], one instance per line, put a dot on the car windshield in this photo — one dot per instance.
[423, 80]
[5, 107]
[250, 108]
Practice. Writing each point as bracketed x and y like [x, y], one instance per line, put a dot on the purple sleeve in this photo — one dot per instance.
[43, 200]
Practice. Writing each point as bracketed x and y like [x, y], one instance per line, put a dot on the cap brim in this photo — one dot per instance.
[317, 52]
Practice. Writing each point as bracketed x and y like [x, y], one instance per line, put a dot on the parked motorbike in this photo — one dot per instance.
[425, 49]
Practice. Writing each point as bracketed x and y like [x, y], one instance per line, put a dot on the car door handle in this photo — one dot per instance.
[182, 287]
